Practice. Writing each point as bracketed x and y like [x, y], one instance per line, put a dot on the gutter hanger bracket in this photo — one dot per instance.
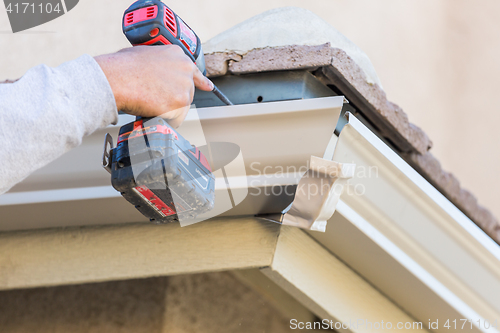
[317, 195]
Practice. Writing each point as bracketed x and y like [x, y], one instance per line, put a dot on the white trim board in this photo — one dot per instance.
[329, 288]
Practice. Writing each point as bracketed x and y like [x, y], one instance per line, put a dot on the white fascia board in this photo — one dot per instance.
[404, 236]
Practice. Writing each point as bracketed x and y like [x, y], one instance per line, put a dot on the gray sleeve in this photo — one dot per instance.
[48, 112]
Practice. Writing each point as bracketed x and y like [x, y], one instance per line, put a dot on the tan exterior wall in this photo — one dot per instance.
[436, 59]
[209, 303]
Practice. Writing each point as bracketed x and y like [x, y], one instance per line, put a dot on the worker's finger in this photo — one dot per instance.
[176, 117]
[182, 112]
[201, 81]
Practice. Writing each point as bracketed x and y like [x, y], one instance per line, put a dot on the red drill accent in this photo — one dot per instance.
[160, 38]
[139, 15]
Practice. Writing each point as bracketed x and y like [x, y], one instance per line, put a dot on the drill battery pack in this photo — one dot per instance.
[160, 173]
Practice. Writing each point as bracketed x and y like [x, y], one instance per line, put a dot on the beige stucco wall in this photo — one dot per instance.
[436, 59]
[209, 303]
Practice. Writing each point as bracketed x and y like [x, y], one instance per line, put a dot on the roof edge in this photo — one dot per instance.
[293, 57]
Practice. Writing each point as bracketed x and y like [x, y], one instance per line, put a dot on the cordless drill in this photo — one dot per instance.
[153, 166]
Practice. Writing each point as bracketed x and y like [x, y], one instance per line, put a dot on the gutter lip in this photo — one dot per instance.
[58, 195]
[280, 107]
[107, 191]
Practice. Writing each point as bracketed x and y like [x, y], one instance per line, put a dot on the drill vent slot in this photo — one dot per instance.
[129, 18]
[140, 15]
[170, 21]
[150, 12]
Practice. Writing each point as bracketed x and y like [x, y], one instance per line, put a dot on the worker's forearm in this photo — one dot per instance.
[47, 112]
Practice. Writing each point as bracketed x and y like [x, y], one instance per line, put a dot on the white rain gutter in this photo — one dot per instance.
[406, 238]
[277, 136]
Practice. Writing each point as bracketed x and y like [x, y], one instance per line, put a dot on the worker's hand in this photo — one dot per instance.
[152, 81]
